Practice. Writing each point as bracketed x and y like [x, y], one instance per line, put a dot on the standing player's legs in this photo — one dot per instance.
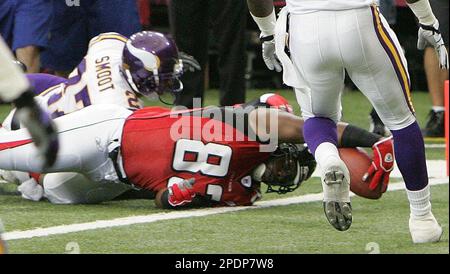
[68, 38]
[375, 62]
[6, 20]
[230, 18]
[31, 27]
[436, 77]
[313, 46]
[190, 23]
[113, 16]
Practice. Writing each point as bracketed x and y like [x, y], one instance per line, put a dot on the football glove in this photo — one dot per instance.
[189, 62]
[382, 164]
[181, 193]
[40, 127]
[430, 35]
[276, 101]
[268, 53]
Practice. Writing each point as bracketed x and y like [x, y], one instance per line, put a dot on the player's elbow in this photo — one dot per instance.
[162, 200]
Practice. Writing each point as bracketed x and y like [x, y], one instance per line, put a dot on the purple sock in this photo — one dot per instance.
[319, 130]
[410, 156]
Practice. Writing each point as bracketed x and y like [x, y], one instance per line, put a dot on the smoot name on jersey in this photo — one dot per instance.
[103, 69]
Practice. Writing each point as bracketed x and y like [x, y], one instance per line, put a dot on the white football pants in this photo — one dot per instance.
[86, 137]
[324, 44]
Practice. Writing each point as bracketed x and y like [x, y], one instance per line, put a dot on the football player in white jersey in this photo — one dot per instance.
[15, 88]
[102, 77]
[98, 79]
[316, 41]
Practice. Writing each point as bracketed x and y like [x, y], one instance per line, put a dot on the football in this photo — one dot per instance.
[358, 162]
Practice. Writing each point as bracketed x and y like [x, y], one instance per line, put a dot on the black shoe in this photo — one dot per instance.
[435, 126]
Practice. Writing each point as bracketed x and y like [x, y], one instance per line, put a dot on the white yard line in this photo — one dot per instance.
[435, 146]
[64, 229]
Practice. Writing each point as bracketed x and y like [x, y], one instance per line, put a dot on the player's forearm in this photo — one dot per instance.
[263, 14]
[12, 81]
[353, 136]
[272, 124]
[289, 129]
[422, 10]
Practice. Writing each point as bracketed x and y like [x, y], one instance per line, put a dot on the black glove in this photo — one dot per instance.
[189, 62]
[40, 126]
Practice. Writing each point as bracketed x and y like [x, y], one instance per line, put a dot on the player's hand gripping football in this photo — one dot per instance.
[430, 35]
[181, 193]
[268, 53]
[40, 127]
[382, 164]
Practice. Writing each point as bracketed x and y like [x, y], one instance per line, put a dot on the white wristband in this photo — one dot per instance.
[266, 24]
[423, 12]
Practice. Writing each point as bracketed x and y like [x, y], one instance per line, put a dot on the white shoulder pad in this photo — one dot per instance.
[108, 36]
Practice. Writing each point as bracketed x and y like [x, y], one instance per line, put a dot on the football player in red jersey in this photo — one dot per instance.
[109, 150]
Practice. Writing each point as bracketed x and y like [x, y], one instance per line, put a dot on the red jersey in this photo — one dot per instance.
[160, 148]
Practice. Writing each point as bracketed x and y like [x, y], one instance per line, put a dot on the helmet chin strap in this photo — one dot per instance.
[180, 87]
[164, 102]
[174, 92]
[156, 76]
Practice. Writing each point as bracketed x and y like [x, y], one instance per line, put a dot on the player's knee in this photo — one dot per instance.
[399, 122]
[336, 117]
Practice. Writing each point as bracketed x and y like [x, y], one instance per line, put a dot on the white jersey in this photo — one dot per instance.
[97, 80]
[307, 6]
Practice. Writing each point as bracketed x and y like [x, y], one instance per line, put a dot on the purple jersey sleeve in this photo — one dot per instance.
[41, 81]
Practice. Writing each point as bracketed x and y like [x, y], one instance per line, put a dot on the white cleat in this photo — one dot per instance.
[424, 229]
[336, 193]
[31, 190]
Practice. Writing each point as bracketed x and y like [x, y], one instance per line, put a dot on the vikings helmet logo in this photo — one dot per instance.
[151, 61]
[151, 64]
